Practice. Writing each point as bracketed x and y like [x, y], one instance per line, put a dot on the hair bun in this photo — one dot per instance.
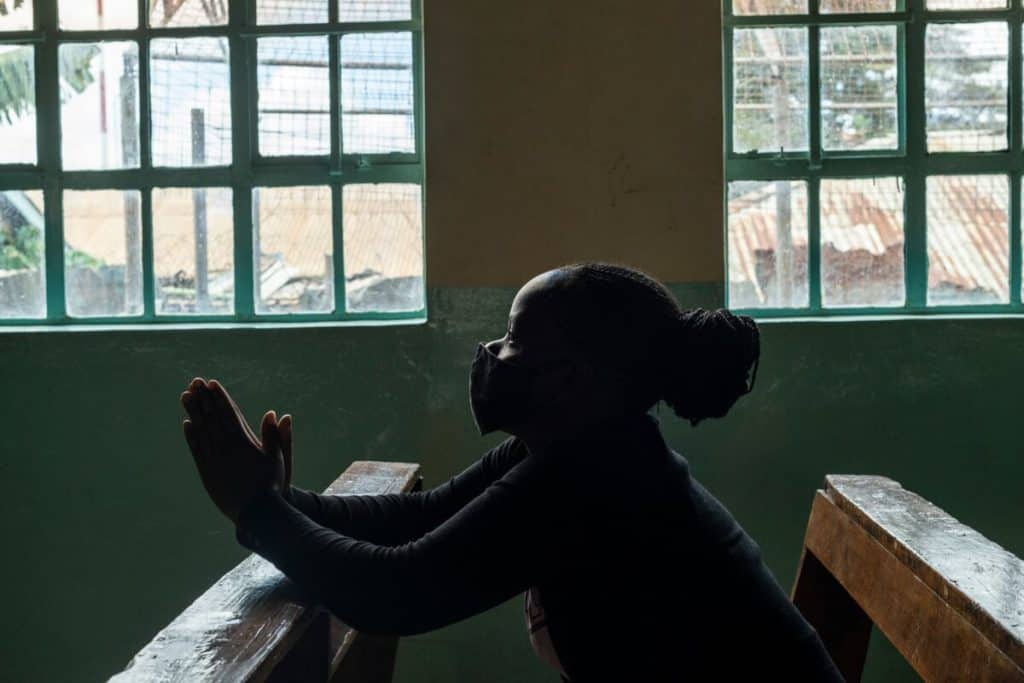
[710, 356]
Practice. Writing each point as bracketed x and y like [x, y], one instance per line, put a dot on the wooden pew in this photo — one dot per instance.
[950, 600]
[254, 624]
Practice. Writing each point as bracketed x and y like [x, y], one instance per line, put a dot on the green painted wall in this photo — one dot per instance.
[108, 534]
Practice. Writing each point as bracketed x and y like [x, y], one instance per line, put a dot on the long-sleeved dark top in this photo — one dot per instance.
[644, 574]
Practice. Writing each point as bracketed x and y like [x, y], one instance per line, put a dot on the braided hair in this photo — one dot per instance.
[630, 325]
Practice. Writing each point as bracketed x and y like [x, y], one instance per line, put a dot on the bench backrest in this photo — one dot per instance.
[949, 599]
[256, 625]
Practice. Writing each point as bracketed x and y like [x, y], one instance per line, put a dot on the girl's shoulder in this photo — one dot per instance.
[506, 455]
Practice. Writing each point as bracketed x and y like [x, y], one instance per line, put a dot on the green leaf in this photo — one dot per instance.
[17, 72]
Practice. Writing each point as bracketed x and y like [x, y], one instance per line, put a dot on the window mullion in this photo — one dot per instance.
[338, 235]
[243, 105]
[728, 87]
[334, 90]
[48, 153]
[915, 243]
[145, 147]
[1015, 122]
[336, 172]
[814, 181]
[417, 95]
[1015, 238]
[145, 166]
[418, 107]
[727, 123]
[148, 279]
[814, 241]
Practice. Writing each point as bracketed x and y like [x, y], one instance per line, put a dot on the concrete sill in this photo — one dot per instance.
[206, 327]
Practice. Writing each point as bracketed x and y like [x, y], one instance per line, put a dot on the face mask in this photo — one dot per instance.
[500, 393]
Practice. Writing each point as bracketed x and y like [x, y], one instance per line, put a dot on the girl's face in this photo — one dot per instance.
[534, 335]
[563, 396]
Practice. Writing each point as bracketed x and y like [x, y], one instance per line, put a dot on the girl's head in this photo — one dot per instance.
[589, 342]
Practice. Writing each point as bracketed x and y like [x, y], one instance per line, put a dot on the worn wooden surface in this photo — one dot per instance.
[843, 626]
[244, 626]
[950, 600]
[978, 577]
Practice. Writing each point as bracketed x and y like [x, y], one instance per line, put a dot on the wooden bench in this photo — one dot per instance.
[254, 624]
[950, 600]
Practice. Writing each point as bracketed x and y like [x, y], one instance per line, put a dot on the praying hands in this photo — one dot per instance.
[233, 464]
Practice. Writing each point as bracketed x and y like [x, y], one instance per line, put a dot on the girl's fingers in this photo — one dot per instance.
[268, 432]
[222, 408]
[190, 439]
[204, 403]
[241, 418]
[284, 432]
[227, 403]
[218, 426]
[209, 437]
[195, 445]
[203, 416]
[284, 426]
[191, 404]
[235, 407]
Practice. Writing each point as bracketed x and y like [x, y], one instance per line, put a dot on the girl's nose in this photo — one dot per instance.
[493, 346]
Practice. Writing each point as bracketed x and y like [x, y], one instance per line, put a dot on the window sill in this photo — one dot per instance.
[207, 326]
[888, 317]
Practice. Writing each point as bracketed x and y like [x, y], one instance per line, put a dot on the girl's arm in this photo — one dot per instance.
[394, 518]
[492, 548]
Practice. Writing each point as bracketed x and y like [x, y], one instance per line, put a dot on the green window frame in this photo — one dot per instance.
[248, 168]
[909, 160]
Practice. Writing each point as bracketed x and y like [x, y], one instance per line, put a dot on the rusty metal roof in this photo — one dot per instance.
[967, 223]
[862, 219]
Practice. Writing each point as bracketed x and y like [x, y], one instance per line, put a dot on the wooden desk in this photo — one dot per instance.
[256, 625]
[949, 599]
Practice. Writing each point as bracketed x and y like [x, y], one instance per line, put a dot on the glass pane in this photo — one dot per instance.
[857, 6]
[965, 4]
[191, 109]
[770, 89]
[374, 10]
[81, 15]
[768, 244]
[193, 251]
[22, 262]
[862, 242]
[18, 106]
[294, 97]
[99, 113]
[383, 229]
[968, 239]
[293, 238]
[769, 6]
[966, 86]
[291, 11]
[102, 253]
[16, 16]
[377, 93]
[858, 89]
[164, 14]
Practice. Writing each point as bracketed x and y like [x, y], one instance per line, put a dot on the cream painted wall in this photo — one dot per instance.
[562, 130]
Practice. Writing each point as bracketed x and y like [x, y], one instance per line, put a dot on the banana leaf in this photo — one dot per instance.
[17, 71]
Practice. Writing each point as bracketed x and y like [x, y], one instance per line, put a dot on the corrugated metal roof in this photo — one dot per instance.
[967, 228]
[383, 229]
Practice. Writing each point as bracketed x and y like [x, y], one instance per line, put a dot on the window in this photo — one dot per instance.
[203, 160]
[873, 156]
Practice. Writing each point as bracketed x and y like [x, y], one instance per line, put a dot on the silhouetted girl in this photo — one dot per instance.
[631, 569]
